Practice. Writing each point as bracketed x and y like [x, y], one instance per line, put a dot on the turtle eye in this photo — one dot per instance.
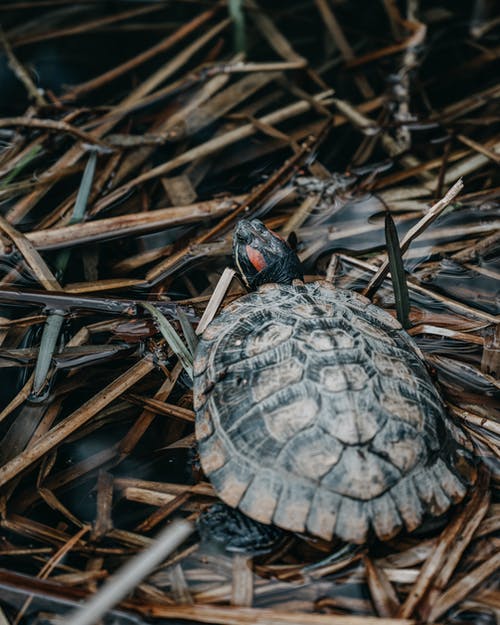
[256, 258]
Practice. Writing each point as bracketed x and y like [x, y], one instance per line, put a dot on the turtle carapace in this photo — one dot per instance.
[314, 408]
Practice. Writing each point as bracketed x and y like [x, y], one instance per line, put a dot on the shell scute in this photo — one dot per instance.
[350, 377]
[400, 444]
[275, 377]
[408, 503]
[352, 521]
[431, 492]
[401, 407]
[380, 317]
[385, 517]
[310, 453]
[231, 480]
[323, 513]
[286, 420]
[267, 337]
[326, 340]
[294, 505]
[361, 474]
[213, 454]
[204, 426]
[312, 310]
[352, 418]
[262, 495]
[450, 483]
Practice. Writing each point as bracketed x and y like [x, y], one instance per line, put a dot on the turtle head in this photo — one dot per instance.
[262, 256]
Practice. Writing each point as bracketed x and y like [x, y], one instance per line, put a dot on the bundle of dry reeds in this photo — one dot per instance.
[119, 194]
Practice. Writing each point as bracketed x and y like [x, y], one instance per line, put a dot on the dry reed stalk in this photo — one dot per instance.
[440, 557]
[49, 567]
[260, 616]
[124, 225]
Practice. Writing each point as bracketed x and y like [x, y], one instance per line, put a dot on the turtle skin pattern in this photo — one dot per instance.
[315, 412]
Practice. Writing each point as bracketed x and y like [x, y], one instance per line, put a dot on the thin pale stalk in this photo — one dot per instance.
[131, 574]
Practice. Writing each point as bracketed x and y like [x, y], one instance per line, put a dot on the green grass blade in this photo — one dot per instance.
[173, 339]
[62, 259]
[238, 17]
[84, 189]
[187, 329]
[32, 154]
[50, 335]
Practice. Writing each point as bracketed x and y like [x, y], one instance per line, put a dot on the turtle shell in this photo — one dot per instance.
[315, 412]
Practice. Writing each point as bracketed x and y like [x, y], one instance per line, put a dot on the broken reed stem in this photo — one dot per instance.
[459, 591]
[51, 565]
[83, 27]
[412, 234]
[439, 557]
[252, 201]
[461, 308]
[209, 147]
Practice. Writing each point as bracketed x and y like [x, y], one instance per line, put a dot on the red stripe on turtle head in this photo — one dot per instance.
[256, 258]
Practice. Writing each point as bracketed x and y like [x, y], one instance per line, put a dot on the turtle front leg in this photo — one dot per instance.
[236, 533]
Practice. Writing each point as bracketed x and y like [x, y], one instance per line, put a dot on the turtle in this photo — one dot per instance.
[315, 410]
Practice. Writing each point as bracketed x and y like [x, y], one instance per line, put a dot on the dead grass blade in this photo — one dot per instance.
[50, 566]
[383, 595]
[136, 60]
[20, 71]
[454, 555]
[133, 223]
[242, 592]
[50, 336]
[260, 616]
[209, 147]
[215, 299]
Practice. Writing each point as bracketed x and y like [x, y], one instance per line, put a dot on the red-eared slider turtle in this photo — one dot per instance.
[314, 409]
